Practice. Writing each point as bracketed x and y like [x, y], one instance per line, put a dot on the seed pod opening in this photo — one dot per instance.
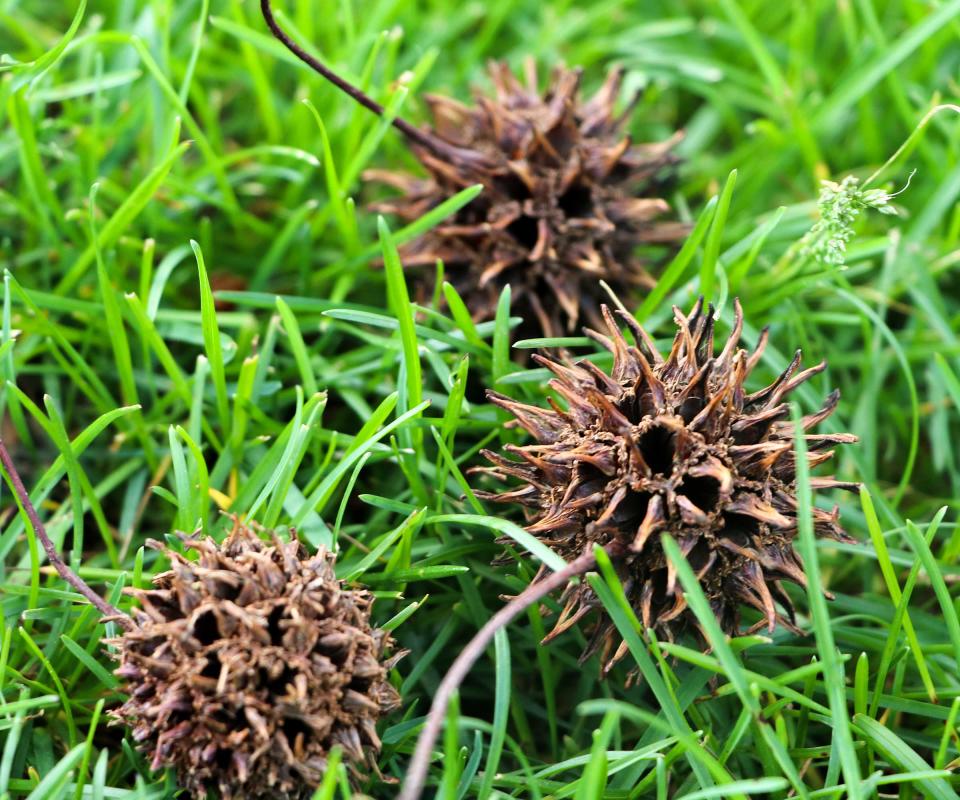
[670, 444]
[568, 199]
[247, 665]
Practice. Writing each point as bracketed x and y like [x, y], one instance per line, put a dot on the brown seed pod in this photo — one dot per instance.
[674, 445]
[244, 668]
[248, 665]
[568, 200]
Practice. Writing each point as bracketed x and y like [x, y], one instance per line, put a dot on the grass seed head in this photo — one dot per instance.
[248, 664]
[675, 445]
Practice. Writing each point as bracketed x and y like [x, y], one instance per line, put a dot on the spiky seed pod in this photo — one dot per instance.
[246, 666]
[675, 445]
[567, 199]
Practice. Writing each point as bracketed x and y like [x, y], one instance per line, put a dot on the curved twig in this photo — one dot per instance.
[53, 556]
[417, 772]
[433, 144]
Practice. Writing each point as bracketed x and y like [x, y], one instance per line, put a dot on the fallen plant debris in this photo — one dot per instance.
[568, 199]
[20, 492]
[245, 668]
[202, 313]
[249, 665]
[673, 445]
[659, 446]
[416, 776]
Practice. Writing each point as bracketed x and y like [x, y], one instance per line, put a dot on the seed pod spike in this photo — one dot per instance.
[829, 406]
[566, 620]
[730, 347]
[685, 347]
[604, 381]
[756, 397]
[624, 367]
[536, 421]
[757, 353]
[788, 386]
[641, 337]
[703, 335]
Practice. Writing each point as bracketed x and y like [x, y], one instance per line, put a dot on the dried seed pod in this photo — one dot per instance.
[676, 445]
[246, 666]
[567, 199]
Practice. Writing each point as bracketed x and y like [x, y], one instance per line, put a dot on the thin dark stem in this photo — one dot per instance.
[419, 764]
[431, 143]
[52, 555]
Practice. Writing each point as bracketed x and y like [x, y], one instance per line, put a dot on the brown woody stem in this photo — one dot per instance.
[52, 555]
[419, 764]
[430, 143]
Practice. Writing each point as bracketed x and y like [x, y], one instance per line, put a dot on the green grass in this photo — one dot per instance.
[194, 320]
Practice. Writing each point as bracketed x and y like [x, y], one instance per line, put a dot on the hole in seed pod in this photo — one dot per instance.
[690, 408]
[562, 138]
[512, 187]
[658, 446]
[698, 557]
[205, 628]
[212, 669]
[524, 230]
[658, 594]
[169, 609]
[224, 590]
[293, 727]
[273, 626]
[277, 685]
[149, 646]
[632, 510]
[360, 685]
[590, 478]
[703, 492]
[577, 202]
[740, 529]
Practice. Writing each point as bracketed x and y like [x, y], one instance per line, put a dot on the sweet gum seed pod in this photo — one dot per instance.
[670, 444]
[247, 665]
[568, 200]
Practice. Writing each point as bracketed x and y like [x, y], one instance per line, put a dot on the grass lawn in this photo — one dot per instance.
[200, 314]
